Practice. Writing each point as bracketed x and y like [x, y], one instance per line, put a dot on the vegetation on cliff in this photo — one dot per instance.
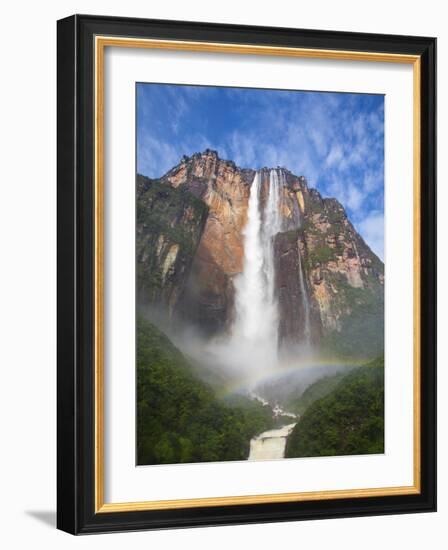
[316, 391]
[349, 420]
[361, 333]
[179, 418]
[347, 281]
[170, 222]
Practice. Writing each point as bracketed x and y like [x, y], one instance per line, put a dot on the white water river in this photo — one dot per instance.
[271, 444]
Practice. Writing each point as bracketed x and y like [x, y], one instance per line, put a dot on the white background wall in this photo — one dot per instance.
[27, 273]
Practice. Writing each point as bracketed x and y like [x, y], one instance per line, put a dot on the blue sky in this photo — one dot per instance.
[335, 140]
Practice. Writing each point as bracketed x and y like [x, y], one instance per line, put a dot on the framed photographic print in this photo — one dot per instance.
[246, 274]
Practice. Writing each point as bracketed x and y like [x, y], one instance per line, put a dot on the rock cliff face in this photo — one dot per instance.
[208, 297]
[170, 223]
[346, 278]
[190, 248]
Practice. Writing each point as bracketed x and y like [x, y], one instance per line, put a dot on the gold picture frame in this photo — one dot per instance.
[99, 40]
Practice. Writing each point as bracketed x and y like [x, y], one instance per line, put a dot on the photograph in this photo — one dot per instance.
[259, 250]
[246, 264]
[220, 282]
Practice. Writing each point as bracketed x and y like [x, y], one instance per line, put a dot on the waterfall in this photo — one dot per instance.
[255, 329]
[250, 286]
[271, 226]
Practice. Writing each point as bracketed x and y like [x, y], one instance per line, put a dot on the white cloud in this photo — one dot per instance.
[354, 197]
[319, 141]
[155, 157]
[372, 231]
[372, 181]
[347, 193]
[334, 156]
[325, 137]
[242, 147]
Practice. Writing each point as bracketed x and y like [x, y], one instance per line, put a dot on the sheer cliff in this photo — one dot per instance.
[190, 247]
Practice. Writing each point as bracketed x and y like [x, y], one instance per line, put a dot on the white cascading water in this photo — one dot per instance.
[256, 324]
[272, 225]
[255, 330]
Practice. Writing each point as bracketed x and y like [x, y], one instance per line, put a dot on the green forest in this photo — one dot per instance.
[179, 417]
[316, 391]
[343, 415]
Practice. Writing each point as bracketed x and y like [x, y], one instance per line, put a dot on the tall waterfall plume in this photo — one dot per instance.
[256, 324]
[255, 332]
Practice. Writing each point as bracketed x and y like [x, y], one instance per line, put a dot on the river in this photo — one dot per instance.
[271, 444]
